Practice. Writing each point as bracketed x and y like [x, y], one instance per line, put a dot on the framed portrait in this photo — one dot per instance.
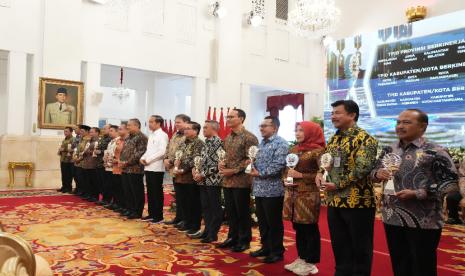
[60, 103]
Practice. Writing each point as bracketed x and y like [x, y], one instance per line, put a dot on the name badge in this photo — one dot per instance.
[337, 161]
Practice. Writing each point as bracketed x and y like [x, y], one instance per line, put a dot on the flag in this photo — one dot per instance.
[170, 130]
[214, 114]
[163, 126]
[221, 131]
[208, 114]
[227, 130]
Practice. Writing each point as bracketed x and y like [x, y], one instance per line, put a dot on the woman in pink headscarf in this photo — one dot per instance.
[302, 199]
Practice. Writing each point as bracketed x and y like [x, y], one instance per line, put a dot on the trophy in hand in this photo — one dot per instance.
[326, 161]
[60, 149]
[94, 152]
[391, 162]
[221, 155]
[291, 161]
[69, 150]
[197, 164]
[177, 157]
[252, 154]
[75, 154]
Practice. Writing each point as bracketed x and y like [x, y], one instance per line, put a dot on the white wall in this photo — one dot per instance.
[171, 96]
[3, 94]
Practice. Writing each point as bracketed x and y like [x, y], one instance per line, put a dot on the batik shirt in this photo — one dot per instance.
[102, 146]
[354, 155]
[190, 149]
[134, 147]
[209, 166]
[237, 145]
[427, 169]
[83, 142]
[89, 161]
[270, 163]
[172, 147]
[66, 150]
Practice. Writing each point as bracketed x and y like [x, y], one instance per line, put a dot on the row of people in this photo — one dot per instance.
[412, 215]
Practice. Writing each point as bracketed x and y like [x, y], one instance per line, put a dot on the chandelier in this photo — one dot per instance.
[121, 92]
[313, 18]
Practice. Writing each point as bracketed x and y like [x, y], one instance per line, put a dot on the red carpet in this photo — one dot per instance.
[79, 238]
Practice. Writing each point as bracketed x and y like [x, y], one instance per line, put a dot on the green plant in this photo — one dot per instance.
[318, 120]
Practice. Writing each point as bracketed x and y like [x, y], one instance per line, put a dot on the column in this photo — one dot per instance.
[199, 100]
[229, 35]
[16, 91]
[92, 90]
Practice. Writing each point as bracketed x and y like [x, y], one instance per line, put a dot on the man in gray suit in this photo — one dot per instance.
[60, 112]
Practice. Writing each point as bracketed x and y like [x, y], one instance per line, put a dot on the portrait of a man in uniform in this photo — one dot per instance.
[60, 103]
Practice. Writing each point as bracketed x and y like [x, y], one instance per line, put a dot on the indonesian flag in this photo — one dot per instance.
[222, 130]
[227, 130]
[214, 114]
[208, 114]
[163, 126]
[170, 130]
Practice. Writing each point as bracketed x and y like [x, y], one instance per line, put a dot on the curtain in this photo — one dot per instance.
[276, 103]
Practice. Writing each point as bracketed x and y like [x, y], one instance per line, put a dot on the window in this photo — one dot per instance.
[288, 118]
[282, 8]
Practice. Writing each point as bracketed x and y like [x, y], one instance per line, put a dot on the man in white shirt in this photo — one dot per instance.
[154, 168]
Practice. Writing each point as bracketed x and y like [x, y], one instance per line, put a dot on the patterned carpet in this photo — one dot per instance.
[80, 238]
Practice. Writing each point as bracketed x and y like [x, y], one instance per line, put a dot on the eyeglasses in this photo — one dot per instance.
[230, 117]
[263, 126]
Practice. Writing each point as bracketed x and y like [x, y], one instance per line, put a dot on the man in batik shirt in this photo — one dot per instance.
[349, 193]
[133, 172]
[413, 213]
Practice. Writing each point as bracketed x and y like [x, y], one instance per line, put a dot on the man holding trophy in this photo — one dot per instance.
[188, 196]
[416, 174]
[349, 193]
[180, 122]
[236, 183]
[207, 176]
[268, 189]
[66, 161]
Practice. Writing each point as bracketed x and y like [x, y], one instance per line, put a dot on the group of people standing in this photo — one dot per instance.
[113, 165]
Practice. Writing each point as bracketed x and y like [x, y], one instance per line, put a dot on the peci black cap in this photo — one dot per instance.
[62, 90]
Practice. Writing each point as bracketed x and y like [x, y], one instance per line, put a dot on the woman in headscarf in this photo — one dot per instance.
[302, 199]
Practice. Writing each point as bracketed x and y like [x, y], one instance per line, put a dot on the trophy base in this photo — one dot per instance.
[248, 169]
[389, 188]
[289, 182]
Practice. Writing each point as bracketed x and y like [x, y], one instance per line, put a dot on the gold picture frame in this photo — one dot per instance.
[60, 103]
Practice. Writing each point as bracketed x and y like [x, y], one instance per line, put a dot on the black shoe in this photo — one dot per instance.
[101, 203]
[272, 259]
[227, 243]
[204, 234]
[113, 207]
[240, 248]
[453, 221]
[208, 240]
[183, 229]
[147, 218]
[126, 213]
[194, 232]
[200, 235]
[60, 190]
[259, 253]
[67, 191]
[75, 192]
[180, 224]
[134, 216]
[107, 206]
[93, 199]
[156, 221]
[173, 221]
[120, 210]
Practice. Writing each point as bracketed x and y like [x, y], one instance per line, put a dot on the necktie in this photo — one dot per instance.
[61, 106]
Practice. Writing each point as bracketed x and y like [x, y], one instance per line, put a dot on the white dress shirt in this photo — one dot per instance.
[156, 147]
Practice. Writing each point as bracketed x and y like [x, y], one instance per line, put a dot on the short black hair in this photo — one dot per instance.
[114, 127]
[350, 106]
[69, 128]
[240, 113]
[159, 119]
[195, 126]
[422, 116]
[62, 90]
[124, 123]
[84, 127]
[183, 117]
[136, 121]
[96, 129]
[274, 120]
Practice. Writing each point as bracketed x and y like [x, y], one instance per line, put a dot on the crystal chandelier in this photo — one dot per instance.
[313, 18]
[121, 92]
